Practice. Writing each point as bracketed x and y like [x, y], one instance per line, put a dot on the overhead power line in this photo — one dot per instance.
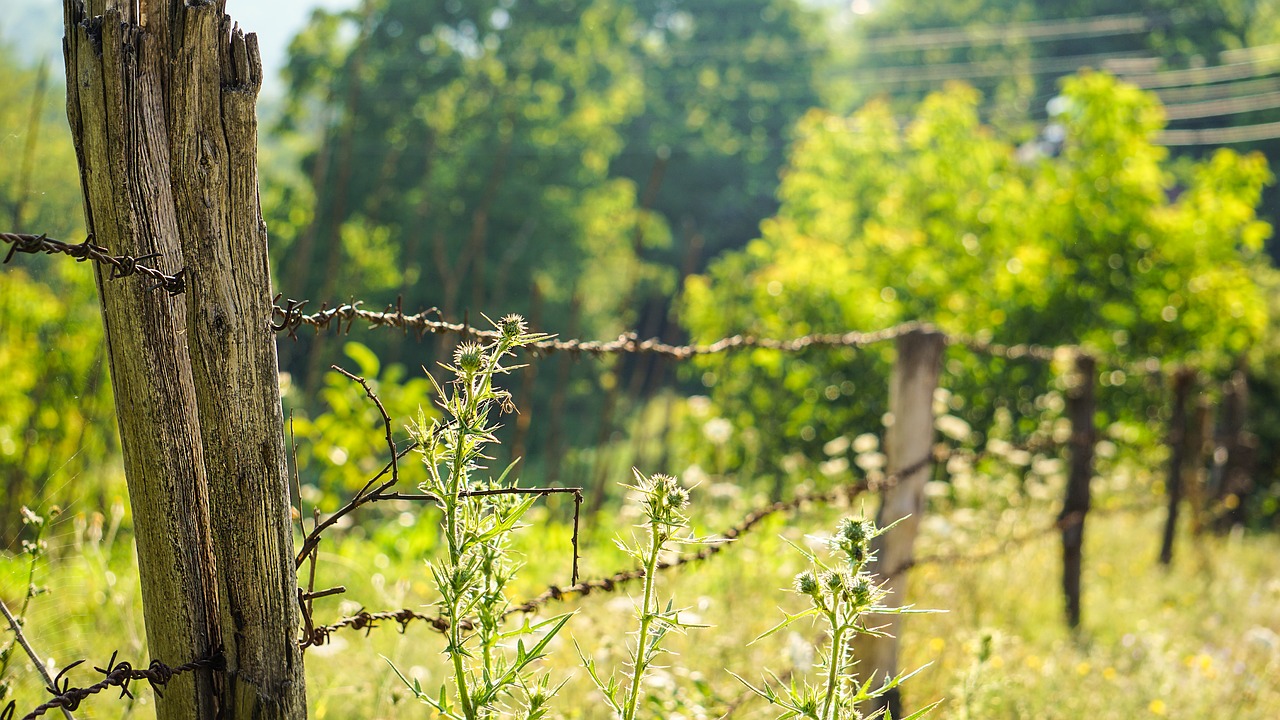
[1200, 93]
[942, 38]
[1225, 106]
[1222, 136]
[995, 67]
[1260, 61]
[963, 36]
[1035, 31]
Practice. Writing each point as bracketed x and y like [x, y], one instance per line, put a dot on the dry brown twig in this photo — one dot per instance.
[21, 638]
[374, 491]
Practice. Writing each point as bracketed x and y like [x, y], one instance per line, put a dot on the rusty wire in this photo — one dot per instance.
[121, 265]
[291, 318]
[1011, 544]
[369, 493]
[1047, 354]
[120, 675]
[364, 620]
[1030, 351]
[342, 318]
[374, 491]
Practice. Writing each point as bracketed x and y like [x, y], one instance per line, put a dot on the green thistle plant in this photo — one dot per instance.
[841, 594]
[489, 674]
[663, 501]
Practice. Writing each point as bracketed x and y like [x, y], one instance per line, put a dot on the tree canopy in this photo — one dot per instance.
[1098, 240]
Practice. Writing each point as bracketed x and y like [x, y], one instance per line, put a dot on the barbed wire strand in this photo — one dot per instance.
[373, 492]
[364, 620]
[291, 319]
[343, 318]
[1016, 542]
[120, 675]
[941, 454]
[121, 265]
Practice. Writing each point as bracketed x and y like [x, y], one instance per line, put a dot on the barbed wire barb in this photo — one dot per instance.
[364, 620]
[121, 265]
[157, 674]
[290, 318]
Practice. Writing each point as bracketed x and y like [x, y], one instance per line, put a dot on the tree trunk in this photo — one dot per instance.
[161, 102]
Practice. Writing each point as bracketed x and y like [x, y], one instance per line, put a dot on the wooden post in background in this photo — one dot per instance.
[909, 445]
[1240, 448]
[1075, 506]
[161, 102]
[1183, 384]
[1196, 458]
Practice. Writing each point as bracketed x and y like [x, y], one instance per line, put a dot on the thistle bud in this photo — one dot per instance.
[468, 357]
[862, 591]
[832, 581]
[512, 327]
[806, 584]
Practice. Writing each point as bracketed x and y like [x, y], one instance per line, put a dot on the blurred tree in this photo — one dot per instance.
[943, 222]
[463, 155]
[56, 421]
[39, 189]
[901, 49]
[724, 82]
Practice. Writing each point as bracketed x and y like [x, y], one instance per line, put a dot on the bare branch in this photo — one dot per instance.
[21, 639]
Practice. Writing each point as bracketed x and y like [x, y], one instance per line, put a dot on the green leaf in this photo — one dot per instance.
[785, 623]
[365, 359]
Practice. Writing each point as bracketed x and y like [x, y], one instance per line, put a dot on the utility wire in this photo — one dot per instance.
[1225, 106]
[996, 67]
[1260, 61]
[942, 38]
[1223, 135]
[1201, 93]
[1003, 34]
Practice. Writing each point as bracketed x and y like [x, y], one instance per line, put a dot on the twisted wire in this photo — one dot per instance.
[121, 265]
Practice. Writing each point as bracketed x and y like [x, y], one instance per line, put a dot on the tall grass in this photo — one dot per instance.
[1201, 640]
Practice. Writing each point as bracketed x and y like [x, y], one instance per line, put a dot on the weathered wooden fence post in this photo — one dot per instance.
[1183, 384]
[160, 99]
[1240, 446]
[1196, 457]
[1075, 506]
[909, 445]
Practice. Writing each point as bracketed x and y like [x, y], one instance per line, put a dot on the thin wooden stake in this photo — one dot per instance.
[1196, 458]
[908, 440]
[1075, 506]
[1183, 383]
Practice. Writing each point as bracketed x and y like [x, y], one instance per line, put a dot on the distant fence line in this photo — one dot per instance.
[712, 547]
[290, 318]
[342, 319]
